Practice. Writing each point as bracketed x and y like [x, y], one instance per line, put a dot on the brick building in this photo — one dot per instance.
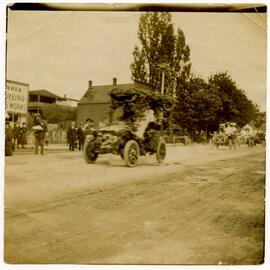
[96, 103]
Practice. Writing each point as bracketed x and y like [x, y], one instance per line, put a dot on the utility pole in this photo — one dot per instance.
[162, 82]
[163, 67]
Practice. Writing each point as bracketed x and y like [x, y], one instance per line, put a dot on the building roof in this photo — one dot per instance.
[70, 99]
[101, 93]
[45, 93]
[16, 82]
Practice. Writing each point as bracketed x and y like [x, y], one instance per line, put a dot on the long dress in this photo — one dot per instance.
[23, 140]
[8, 141]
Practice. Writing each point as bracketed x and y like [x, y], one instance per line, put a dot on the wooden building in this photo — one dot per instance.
[16, 101]
[40, 98]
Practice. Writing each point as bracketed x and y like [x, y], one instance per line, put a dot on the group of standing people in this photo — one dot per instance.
[15, 137]
[78, 134]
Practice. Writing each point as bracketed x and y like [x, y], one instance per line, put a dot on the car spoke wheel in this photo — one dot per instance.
[89, 152]
[131, 153]
[161, 151]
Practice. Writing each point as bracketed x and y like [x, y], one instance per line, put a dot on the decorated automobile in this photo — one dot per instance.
[138, 130]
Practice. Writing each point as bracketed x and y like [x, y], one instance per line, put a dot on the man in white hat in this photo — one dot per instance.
[230, 131]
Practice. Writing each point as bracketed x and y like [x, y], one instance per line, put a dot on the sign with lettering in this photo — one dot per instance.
[16, 97]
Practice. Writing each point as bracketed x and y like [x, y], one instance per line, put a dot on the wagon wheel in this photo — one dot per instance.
[161, 151]
[89, 152]
[131, 153]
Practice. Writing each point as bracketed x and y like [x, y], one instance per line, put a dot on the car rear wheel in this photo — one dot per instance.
[161, 151]
[131, 153]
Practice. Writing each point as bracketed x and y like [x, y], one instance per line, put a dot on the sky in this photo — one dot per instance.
[62, 50]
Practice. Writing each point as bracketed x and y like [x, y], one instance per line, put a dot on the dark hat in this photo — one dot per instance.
[89, 120]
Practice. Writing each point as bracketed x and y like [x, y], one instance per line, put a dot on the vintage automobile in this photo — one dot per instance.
[138, 130]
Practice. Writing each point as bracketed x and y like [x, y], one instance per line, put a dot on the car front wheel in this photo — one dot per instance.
[89, 152]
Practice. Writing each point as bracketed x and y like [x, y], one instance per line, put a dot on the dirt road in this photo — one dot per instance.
[201, 206]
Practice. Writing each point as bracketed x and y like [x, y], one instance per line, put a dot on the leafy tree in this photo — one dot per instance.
[55, 113]
[204, 105]
[160, 48]
[197, 106]
[260, 121]
[236, 106]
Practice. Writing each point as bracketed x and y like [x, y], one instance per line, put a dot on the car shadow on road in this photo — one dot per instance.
[140, 164]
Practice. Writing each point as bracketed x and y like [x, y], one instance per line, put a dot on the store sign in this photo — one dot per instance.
[16, 98]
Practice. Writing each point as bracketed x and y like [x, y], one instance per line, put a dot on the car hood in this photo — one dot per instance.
[115, 128]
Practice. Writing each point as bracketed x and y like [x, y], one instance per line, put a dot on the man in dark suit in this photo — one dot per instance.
[80, 136]
[72, 135]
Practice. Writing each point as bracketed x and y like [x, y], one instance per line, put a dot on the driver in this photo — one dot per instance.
[142, 124]
[88, 127]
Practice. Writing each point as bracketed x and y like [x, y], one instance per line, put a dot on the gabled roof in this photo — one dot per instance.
[101, 93]
[45, 93]
[70, 99]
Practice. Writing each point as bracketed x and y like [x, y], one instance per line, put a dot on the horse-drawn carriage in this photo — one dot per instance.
[227, 135]
[222, 139]
[258, 138]
[137, 131]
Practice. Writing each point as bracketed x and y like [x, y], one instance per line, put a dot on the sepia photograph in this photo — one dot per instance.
[135, 134]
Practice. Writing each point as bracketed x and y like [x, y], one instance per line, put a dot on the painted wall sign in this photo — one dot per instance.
[16, 97]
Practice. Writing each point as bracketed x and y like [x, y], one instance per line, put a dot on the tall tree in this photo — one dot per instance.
[160, 49]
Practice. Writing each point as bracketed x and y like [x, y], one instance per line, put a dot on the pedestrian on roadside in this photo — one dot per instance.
[8, 139]
[80, 136]
[23, 140]
[72, 135]
[40, 130]
[16, 135]
[89, 127]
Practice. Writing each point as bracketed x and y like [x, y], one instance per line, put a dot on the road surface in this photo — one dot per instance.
[201, 206]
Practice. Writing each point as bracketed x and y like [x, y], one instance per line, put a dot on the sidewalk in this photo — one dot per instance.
[52, 148]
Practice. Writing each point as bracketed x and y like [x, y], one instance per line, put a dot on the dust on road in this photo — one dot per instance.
[203, 207]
